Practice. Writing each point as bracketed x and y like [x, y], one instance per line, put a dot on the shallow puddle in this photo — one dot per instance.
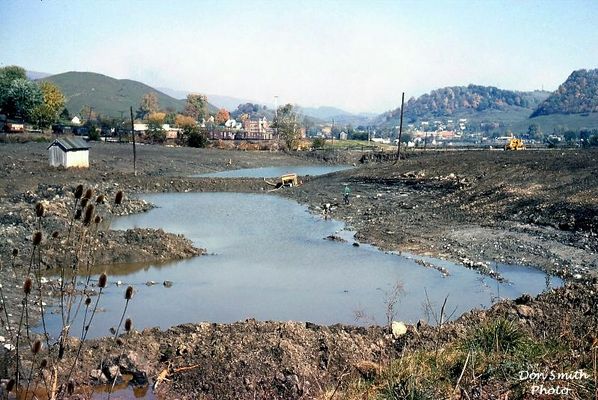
[273, 172]
[268, 260]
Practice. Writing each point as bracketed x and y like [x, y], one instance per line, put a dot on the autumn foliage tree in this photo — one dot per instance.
[47, 112]
[149, 104]
[196, 106]
[222, 116]
[155, 131]
[88, 113]
[288, 125]
[184, 121]
[156, 118]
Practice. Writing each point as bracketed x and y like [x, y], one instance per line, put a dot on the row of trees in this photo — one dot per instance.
[21, 99]
[42, 103]
[287, 122]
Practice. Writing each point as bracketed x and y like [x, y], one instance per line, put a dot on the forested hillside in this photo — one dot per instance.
[577, 95]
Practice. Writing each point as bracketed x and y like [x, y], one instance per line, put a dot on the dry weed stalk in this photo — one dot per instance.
[47, 358]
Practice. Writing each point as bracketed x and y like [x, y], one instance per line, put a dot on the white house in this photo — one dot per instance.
[140, 127]
[69, 152]
[233, 124]
[76, 120]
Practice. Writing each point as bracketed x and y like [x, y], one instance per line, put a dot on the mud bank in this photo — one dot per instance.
[300, 360]
[528, 208]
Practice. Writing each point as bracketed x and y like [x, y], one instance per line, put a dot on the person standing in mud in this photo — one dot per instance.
[346, 194]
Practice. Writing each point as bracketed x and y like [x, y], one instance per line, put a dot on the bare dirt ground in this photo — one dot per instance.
[532, 208]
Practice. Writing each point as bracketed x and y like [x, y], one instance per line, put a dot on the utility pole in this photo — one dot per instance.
[332, 131]
[400, 127]
[120, 128]
[276, 117]
[134, 149]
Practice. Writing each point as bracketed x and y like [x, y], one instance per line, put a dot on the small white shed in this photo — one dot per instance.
[69, 152]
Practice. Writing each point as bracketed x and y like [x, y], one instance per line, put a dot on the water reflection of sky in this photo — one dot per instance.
[268, 261]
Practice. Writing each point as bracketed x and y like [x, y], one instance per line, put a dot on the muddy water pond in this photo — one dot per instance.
[268, 259]
[273, 172]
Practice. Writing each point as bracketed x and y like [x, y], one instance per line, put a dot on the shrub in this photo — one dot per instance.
[318, 143]
[499, 336]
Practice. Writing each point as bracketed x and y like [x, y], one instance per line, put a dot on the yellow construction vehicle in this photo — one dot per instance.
[286, 180]
[289, 180]
[514, 144]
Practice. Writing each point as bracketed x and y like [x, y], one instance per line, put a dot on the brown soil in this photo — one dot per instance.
[537, 208]
[292, 360]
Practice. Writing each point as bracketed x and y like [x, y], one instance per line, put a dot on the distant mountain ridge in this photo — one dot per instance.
[340, 117]
[475, 103]
[228, 102]
[34, 75]
[107, 95]
[448, 101]
[577, 95]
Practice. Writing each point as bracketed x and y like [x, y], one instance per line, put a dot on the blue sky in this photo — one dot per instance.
[356, 55]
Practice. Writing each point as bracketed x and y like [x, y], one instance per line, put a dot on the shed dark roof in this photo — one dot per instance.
[70, 144]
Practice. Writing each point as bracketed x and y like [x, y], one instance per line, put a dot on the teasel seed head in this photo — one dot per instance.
[128, 325]
[97, 219]
[43, 363]
[84, 202]
[37, 238]
[27, 286]
[10, 385]
[119, 197]
[88, 194]
[87, 301]
[55, 235]
[15, 252]
[129, 293]
[70, 388]
[100, 199]
[102, 280]
[78, 214]
[79, 191]
[88, 214]
[39, 210]
[37, 346]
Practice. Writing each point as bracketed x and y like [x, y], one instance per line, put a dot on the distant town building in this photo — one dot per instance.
[233, 124]
[171, 132]
[258, 128]
[381, 140]
[342, 135]
[76, 120]
[69, 153]
[142, 128]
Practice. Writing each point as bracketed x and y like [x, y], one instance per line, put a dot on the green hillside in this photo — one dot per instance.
[108, 96]
[559, 122]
